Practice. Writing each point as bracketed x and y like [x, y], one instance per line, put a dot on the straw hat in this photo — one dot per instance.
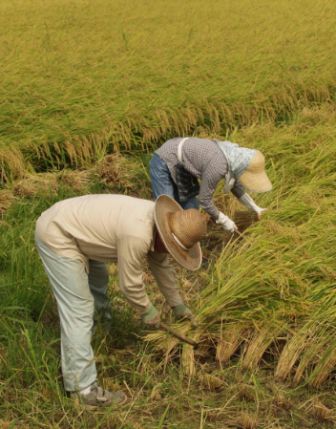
[180, 231]
[254, 177]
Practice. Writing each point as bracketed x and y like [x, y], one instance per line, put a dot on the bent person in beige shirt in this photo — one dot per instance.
[77, 236]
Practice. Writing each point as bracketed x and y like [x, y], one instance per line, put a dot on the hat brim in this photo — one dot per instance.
[255, 182]
[190, 259]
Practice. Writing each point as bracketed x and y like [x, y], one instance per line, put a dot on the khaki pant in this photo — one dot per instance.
[77, 294]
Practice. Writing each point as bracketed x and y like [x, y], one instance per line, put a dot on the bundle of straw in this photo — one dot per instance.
[244, 219]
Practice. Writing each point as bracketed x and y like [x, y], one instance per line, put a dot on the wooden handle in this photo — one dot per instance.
[178, 335]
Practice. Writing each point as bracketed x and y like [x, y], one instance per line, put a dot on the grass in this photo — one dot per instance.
[273, 290]
[265, 307]
[84, 81]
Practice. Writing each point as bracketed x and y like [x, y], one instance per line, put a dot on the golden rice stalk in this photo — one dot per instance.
[165, 342]
[6, 199]
[324, 368]
[72, 153]
[188, 360]
[244, 420]
[289, 355]
[148, 135]
[50, 155]
[229, 343]
[192, 115]
[12, 165]
[42, 150]
[75, 179]
[309, 355]
[226, 114]
[213, 116]
[156, 394]
[258, 345]
[99, 145]
[176, 124]
[117, 137]
[321, 412]
[32, 184]
[117, 172]
[82, 151]
[210, 381]
[163, 118]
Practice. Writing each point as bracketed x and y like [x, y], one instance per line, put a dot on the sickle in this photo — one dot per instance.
[178, 335]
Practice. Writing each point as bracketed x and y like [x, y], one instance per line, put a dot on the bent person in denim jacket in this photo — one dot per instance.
[188, 169]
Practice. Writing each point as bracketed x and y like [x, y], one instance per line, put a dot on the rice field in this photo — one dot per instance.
[80, 78]
[88, 89]
[273, 291]
[264, 304]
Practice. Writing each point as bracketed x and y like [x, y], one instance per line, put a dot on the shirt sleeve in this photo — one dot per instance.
[238, 189]
[209, 181]
[132, 253]
[165, 277]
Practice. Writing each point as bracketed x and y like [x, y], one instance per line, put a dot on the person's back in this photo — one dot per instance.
[94, 224]
[198, 155]
[189, 169]
[74, 237]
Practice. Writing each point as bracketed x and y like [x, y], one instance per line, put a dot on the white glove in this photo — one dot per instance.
[260, 211]
[226, 223]
[250, 204]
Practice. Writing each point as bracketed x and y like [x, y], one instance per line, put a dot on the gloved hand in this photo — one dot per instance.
[226, 223]
[260, 211]
[151, 317]
[181, 311]
[250, 204]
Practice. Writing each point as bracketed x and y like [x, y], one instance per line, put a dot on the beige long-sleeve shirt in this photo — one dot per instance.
[111, 227]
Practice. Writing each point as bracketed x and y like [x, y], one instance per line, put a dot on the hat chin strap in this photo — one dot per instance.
[178, 242]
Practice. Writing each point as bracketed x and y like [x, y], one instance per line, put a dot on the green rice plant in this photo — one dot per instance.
[82, 80]
[255, 300]
[269, 297]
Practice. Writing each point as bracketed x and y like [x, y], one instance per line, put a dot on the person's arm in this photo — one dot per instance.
[248, 202]
[165, 277]
[238, 189]
[209, 181]
[132, 253]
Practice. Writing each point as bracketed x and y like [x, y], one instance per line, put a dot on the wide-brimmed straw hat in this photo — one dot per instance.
[180, 230]
[254, 177]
